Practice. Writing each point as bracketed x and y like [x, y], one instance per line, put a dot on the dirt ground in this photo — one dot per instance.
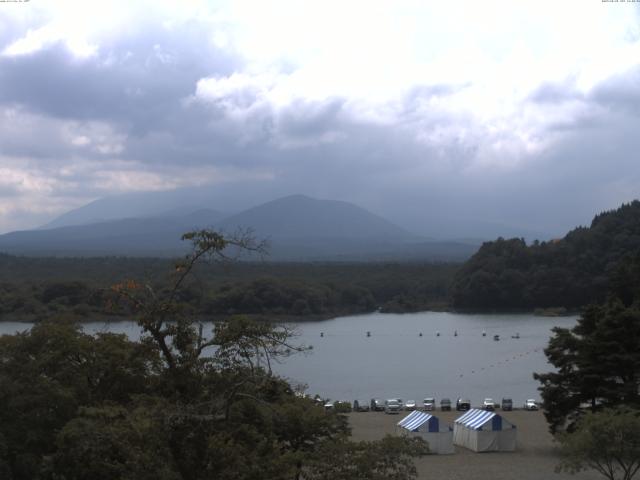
[534, 459]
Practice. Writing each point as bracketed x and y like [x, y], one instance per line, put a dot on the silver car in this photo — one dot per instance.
[488, 404]
[392, 406]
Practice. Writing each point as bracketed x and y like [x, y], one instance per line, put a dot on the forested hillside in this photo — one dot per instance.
[570, 272]
[33, 288]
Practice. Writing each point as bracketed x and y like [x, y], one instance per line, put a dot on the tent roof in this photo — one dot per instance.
[475, 418]
[414, 420]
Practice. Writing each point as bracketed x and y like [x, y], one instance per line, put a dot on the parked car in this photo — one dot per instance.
[376, 405]
[463, 404]
[392, 406]
[429, 404]
[328, 406]
[445, 404]
[507, 404]
[360, 406]
[488, 404]
[530, 404]
[410, 405]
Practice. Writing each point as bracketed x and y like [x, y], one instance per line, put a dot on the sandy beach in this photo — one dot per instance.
[534, 459]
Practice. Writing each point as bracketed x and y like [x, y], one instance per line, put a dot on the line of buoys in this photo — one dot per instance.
[528, 352]
[455, 334]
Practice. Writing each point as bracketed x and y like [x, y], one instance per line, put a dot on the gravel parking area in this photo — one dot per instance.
[534, 459]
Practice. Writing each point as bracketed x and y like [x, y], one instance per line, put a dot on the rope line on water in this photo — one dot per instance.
[503, 362]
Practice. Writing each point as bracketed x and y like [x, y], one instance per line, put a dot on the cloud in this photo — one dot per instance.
[427, 114]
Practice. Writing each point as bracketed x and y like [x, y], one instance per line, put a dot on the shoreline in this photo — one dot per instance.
[102, 317]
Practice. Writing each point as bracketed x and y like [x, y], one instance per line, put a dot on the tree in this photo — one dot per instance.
[607, 441]
[388, 459]
[49, 372]
[597, 362]
[233, 417]
[112, 441]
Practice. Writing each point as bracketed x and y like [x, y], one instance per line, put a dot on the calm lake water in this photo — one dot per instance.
[395, 361]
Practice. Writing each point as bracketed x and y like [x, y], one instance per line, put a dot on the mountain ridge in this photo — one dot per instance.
[299, 228]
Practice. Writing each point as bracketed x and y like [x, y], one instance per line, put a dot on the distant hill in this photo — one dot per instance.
[297, 228]
[299, 216]
[155, 236]
[137, 205]
[570, 272]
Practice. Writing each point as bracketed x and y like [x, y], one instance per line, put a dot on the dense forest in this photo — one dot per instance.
[570, 272]
[33, 288]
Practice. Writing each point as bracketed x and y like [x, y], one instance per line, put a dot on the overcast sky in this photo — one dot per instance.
[518, 113]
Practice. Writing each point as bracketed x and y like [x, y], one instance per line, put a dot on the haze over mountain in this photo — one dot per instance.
[437, 223]
[144, 236]
[296, 227]
[138, 205]
[299, 216]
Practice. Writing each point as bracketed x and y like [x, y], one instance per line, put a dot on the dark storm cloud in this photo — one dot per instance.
[137, 79]
[621, 92]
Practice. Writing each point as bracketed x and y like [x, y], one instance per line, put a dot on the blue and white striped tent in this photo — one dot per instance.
[483, 431]
[439, 436]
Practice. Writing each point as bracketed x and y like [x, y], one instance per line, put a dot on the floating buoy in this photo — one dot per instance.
[322, 334]
[368, 334]
[437, 334]
[455, 333]
[484, 333]
[420, 334]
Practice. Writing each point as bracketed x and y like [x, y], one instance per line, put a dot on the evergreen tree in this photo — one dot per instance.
[598, 360]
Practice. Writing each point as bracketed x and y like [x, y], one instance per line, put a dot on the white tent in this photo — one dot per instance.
[439, 437]
[483, 431]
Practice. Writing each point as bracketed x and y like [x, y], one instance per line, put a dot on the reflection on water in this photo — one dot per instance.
[395, 360]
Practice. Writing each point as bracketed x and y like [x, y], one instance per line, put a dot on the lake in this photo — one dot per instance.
[395, 361]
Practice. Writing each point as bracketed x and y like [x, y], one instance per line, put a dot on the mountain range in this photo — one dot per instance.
[296, 228]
